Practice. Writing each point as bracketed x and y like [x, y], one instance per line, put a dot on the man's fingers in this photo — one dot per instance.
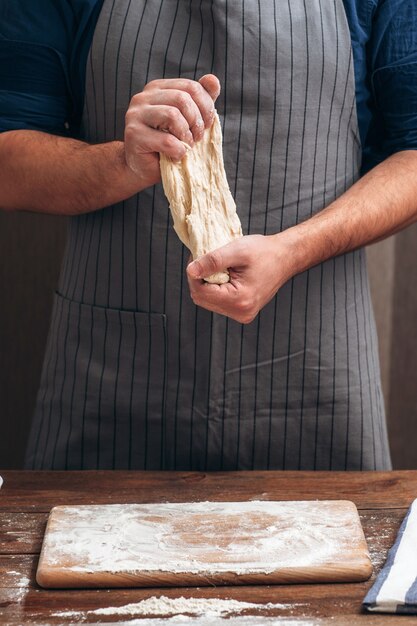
[253, 266]
[181, 105]
[197, 92]
[168, 119]
[211, 84]
[212, 295]
[227, 299]
[217, 261]
[207, 265]
[151, 141]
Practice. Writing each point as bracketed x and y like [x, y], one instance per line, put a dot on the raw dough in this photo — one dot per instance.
[202, 207]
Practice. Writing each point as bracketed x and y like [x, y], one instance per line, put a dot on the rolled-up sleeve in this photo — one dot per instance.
[39, 49]
[392, 62]
[33, 87]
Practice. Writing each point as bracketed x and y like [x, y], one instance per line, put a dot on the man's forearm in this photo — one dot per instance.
[378, 205]
[42, 172]
[45, 173]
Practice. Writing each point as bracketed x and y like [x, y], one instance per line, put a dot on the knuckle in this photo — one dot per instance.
[151, 85]
[130, 134]
[168, 142]
[133, 115]
[136, 99]
[129, 117]
[245, 310]
[172, 146]
[173, 115]
[195, 297]
[247, 319]
[183, 100]
[194, 89]
[243, 305]
[214, 260]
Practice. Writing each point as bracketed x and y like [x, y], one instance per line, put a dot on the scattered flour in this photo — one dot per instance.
[184, 620]
[182, 606]
[23, 581]
[69, 614]
[168, 607]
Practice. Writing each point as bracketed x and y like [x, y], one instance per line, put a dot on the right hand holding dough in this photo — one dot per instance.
[258, 264]
[166, 113]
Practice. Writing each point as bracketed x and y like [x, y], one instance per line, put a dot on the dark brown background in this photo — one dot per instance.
[31, 248]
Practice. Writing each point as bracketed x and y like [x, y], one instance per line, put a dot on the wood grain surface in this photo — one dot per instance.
[203, 544]
[27, 497]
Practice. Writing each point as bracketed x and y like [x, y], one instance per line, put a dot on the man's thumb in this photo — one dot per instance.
[207, 265]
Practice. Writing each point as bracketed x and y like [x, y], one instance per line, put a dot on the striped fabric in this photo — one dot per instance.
[135, 376]
[395, 589]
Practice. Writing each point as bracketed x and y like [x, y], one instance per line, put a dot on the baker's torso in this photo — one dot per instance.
[137, 376]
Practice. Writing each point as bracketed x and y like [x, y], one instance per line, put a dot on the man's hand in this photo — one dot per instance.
[379, 204]
[258, 267]
[163, 117]
[52, 174]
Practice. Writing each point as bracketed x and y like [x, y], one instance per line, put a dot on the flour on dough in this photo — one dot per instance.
[202, 207]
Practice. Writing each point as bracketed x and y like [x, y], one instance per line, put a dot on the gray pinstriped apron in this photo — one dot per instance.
[135, 376]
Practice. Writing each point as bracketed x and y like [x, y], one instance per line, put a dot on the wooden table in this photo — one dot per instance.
[26, 498]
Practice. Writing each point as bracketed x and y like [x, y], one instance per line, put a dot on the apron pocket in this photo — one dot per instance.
[101, 403]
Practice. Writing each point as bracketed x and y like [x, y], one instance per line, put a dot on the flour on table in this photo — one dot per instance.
[22, 581]
[208, 620]
[185, 606]
[202, 206]
[163, 606]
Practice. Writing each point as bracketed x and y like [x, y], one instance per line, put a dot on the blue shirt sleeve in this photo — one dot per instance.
[43, 48]
[392, 68]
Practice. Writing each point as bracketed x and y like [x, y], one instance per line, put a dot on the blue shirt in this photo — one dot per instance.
[44, 47]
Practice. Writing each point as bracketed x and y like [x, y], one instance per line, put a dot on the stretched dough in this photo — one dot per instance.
[202, 207]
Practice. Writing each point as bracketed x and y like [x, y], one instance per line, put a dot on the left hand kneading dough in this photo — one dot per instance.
[201, 204]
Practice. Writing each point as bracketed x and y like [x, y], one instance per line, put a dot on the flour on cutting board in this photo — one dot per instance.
[244, 537]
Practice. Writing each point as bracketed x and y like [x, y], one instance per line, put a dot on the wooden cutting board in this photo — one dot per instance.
[203, 543]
